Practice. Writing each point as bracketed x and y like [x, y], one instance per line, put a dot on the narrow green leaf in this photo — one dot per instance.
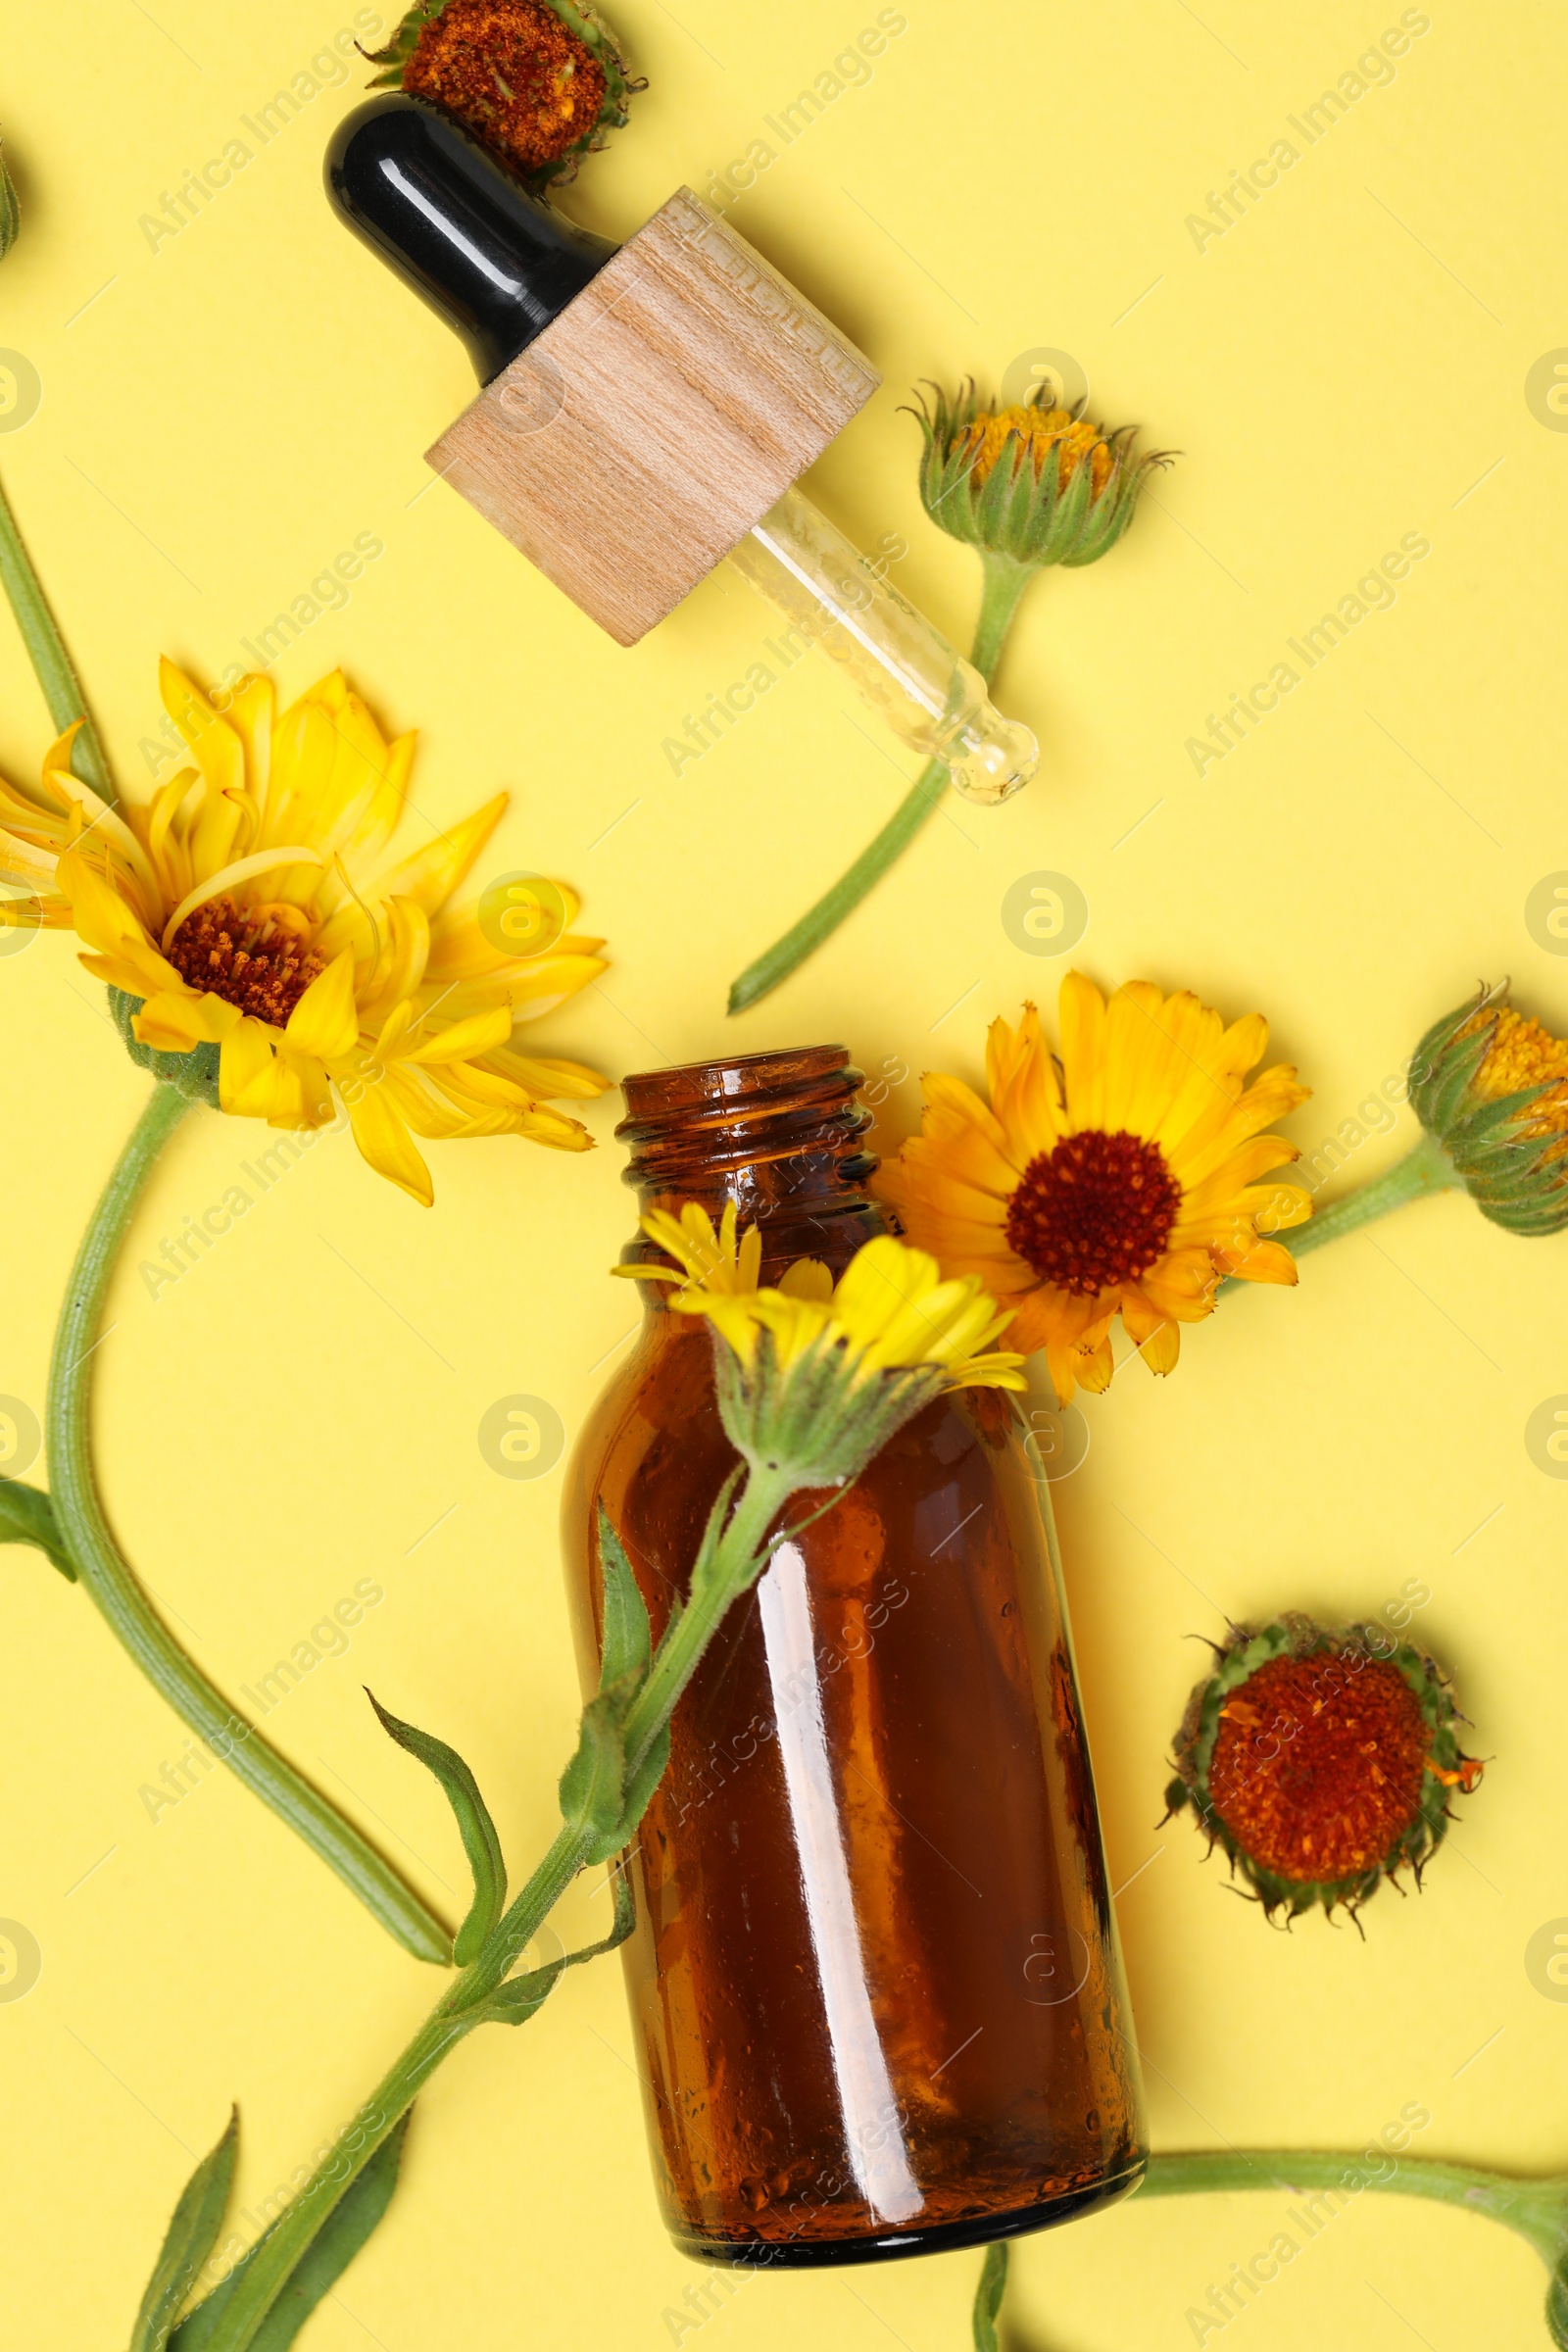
[28, 1516]
[522, 1997]
[192, 2236]
[10, 210]
[479, 1840]
[988, 2300]
[328, 2255]
[590, 1785]
[627, 1643]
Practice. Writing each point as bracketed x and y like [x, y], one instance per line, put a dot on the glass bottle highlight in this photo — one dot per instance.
[875, 1975]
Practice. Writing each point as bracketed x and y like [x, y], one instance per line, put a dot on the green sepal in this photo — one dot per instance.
[988, 2297]
[478, 1831]
[28, 1516]
[193, 1074]
[1016, 512]
[190, 2237]
[327, 2256]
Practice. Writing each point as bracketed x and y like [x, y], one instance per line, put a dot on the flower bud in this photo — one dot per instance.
[1491, 1086]
[1036, 482]
[1320, 1761]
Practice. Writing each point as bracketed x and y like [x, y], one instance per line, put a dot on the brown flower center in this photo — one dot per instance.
[1318, 1764]
[511, 72]
[251, 961]
[1095, 1211]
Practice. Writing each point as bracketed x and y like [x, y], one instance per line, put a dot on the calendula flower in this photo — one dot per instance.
[1035, 483]
[1121, 1181]
[262, 948]
[1322, 1762]
[1490, 1086]
[540, 82]
[817, 1375]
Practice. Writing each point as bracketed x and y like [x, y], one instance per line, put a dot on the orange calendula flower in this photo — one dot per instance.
[1034, 483]
[1123, 1180]
[264, 949]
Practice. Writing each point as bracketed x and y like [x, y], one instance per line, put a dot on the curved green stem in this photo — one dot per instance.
[1533, 2208]
[1426, 1168]
[62, 689]
[734, 1566]
[1004, 583]
[455, 2016]
[127, 1608]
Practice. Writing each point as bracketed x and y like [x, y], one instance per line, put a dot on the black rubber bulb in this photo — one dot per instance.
[495, 262]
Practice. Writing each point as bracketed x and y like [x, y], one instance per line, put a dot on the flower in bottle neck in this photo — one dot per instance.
[815, 1376]
[1491, 1088]
[1036, 482]
[1321, 1762]
[540, 82]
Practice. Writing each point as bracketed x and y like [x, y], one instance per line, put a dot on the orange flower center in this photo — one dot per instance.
[1523, 1054]
[511, 72]
[248, 959]
[1096, 1210]
[1318, 1765]
[1041, 432]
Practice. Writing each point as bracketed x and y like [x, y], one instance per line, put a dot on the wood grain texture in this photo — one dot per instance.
[651, 424]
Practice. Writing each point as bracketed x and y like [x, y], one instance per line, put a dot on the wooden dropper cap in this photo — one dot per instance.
[643, 408]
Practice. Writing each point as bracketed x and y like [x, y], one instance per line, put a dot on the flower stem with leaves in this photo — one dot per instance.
[1537, 2210]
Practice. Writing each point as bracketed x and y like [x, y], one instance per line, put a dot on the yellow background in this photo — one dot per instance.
[1341, 367]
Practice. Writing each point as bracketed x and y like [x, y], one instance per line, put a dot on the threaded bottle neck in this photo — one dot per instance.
[778, 1133]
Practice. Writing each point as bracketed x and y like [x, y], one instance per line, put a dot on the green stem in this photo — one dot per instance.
[1533, 2208]
[108, 1579]
[62, 689]
[734, 1566]
[763, 1496]
[1427, 1169]
[455, 2016]
[1003, 585]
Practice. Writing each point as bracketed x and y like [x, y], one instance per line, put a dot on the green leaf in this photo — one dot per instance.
[640, 1789]
[522, 1997]
[591, 1799]
[627, 1643]
[192, 2236]
[28, 1516]
[988, 2300]
[479, 1840]
[328, 2255]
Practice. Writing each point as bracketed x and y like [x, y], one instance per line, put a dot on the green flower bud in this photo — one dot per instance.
[1491, 1086]
[1035, 483]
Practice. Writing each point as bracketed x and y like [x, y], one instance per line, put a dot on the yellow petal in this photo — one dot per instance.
[431, 874]
[385, 1142]
[325, 1022]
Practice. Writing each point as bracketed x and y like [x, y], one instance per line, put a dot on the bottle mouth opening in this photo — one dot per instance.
[699, 1127]
[738, 1082]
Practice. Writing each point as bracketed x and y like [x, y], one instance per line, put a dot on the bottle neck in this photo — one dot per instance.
[777, 1134]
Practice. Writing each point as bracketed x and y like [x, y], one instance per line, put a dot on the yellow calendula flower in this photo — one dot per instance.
[1123, 1181]
[249, 920]
[818, 1375]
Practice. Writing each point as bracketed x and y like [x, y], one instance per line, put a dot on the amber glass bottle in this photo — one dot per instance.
[875, 1977]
